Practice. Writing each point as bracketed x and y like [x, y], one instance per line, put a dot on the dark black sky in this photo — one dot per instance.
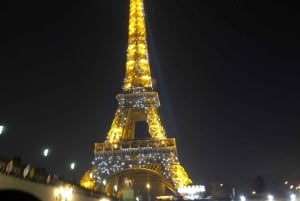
[227, 75]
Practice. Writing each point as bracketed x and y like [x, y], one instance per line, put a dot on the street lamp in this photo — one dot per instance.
[1, 129]
[45, 153]
[148, 186]
[72, 167]
[91, 178]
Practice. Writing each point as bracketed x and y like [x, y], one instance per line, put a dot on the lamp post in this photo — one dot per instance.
[72, 167]
[46, 152]
[148, 186]
[103, 187]
[91, 178]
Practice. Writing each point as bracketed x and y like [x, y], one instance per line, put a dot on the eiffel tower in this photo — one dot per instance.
[152, 161]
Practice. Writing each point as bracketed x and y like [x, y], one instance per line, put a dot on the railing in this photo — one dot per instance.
[130, 100]
[16, 169]
[135, 146]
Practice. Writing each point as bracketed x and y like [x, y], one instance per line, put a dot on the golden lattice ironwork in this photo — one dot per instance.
[138, 102]
[137, 65]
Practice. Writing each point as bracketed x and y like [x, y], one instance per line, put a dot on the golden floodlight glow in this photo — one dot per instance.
[191, 192]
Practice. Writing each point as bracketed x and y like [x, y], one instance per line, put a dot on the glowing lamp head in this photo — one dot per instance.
[1, 129]
[72, 166]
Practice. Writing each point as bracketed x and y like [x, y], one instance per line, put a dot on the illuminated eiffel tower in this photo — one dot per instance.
[153, 161]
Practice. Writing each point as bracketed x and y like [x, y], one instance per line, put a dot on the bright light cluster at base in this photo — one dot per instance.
[63, 193]
[191, 192]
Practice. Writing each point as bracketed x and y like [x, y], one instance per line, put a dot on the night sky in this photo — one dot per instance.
[227, 76]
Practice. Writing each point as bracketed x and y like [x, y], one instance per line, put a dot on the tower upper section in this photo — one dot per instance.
[137, 75]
